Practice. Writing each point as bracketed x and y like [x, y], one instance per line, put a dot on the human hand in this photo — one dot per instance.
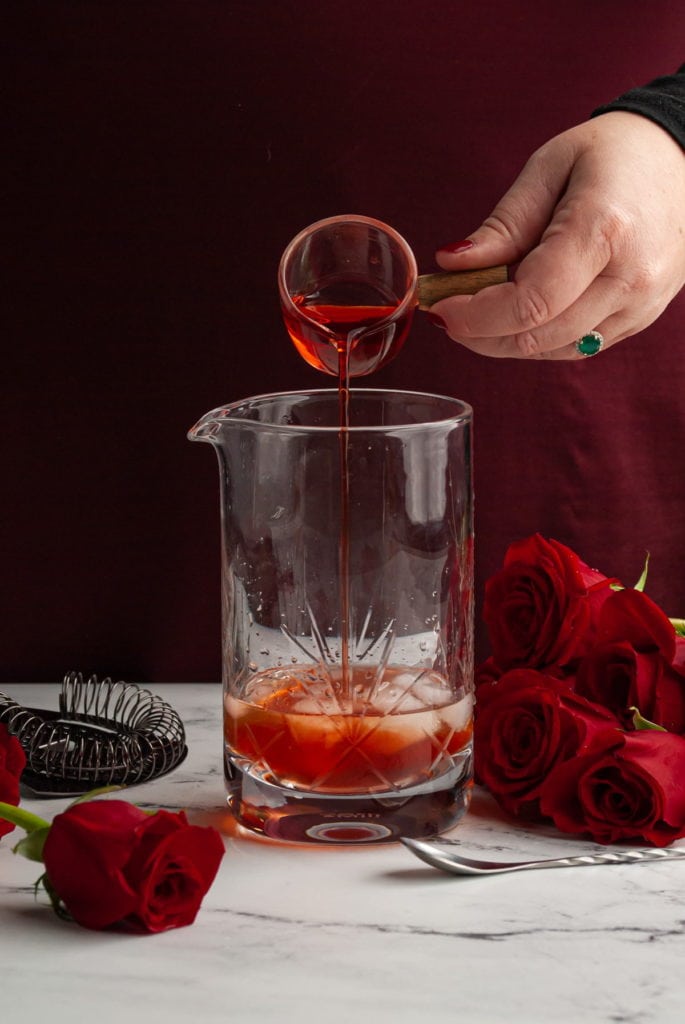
[596, 221]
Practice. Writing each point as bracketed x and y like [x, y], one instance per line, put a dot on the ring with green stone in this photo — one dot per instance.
[590, 344]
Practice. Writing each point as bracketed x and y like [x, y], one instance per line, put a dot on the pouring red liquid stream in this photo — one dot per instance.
[346, 329]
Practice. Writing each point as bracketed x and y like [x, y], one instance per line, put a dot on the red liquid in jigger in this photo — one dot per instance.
[344, 309]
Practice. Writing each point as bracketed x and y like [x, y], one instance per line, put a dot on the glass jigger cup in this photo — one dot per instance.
[347, 624]
[349, 288]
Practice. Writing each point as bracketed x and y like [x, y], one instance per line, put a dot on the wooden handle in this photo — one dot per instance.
[433, 287]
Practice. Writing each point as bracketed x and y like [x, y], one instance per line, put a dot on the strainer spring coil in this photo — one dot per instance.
[104, 734]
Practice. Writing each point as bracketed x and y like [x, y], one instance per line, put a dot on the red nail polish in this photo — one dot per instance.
[437, 321]
[455, 247]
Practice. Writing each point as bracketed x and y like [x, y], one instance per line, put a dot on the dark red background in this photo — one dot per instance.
[159, 158]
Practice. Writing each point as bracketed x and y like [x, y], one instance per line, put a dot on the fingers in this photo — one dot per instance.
[596, 248]
[549, 222]
[572, 253]
[521, 216]
[596, 309]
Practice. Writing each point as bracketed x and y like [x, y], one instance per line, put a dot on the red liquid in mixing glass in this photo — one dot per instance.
[397, 728]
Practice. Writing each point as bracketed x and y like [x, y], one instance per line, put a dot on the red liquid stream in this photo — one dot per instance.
[344, 543]
[346, 328]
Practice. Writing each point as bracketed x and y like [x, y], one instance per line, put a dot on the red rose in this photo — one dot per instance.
[526, 723]
[620, 678]
[669, 696]
[541, 607]
[637, 663]
[12, 761]
[110, 863]
[626, 786]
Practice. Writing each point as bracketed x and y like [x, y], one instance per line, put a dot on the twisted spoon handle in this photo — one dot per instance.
[621, 857]
[439, 855]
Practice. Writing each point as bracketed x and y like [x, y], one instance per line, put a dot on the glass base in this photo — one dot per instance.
[291, 815]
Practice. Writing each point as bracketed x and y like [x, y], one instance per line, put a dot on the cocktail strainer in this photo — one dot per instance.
[104, 734]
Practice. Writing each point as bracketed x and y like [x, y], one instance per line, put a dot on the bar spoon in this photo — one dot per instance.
[438, 856]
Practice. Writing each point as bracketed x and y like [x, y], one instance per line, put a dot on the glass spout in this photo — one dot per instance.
[208, 428]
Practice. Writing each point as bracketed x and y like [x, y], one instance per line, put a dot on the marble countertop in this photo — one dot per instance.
[351, 933]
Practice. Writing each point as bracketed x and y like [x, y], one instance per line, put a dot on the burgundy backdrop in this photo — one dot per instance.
[160, 157]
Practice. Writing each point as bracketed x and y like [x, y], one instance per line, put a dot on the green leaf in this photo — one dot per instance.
[31, 846]
[24, 819]
[641, 723]
[640, 585]
[679, 626]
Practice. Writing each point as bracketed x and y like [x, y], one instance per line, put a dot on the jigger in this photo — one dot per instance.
[349, 286]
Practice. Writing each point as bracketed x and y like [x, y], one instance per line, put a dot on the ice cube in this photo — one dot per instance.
[309, 706]
[393, 701]
[458, 716]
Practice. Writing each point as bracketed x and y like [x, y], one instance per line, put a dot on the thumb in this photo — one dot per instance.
[519, 220]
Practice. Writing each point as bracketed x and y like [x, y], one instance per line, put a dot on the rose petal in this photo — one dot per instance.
[631, 616]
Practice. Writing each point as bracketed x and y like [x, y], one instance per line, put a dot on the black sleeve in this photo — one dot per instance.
[662, 100]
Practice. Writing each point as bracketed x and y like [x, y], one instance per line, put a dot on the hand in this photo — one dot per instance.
[596, 221]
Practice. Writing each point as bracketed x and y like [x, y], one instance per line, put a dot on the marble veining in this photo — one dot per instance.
[298, 933]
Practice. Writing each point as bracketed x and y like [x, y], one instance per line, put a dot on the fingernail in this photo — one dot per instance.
[437, 321]
[454, 247]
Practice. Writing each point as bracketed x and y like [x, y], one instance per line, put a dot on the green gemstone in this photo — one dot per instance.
[589, 344]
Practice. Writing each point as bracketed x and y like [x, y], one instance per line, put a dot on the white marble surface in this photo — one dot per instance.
[351, 934]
